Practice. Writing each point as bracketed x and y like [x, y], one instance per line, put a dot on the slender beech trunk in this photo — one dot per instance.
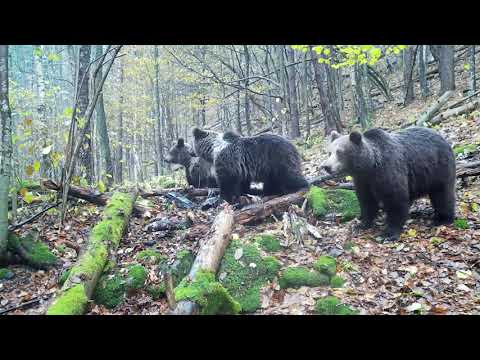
[157, 110]
[247, 100]
[422, 73]
[6, 149]
[327, 98]
[102, 130]
[120, 129]
[408, 63]
[471, 63]
[85, 155]
[292, 96]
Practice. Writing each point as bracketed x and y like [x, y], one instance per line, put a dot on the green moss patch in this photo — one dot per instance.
[330, 305]
[268, 242]
[151, 256]
[181, 267]
[465, 149]
[166, 182]
[156, 291]
[72, 302]
[5, 274]
[243, 278]
[295, 277]
[337, 281]
[34, 253]
[209, 294]
[326, 265]
[110, 290]
[137, 275]
[461, 224]
[338, 201]
[63, 277]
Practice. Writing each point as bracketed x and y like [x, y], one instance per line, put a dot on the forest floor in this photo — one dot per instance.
[430, 270]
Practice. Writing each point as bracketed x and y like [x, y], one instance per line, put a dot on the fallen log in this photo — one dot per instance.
[466, 172]
[73, 297]
[33, 217]
[260, 211]
[461, 101]
[92, 196]
[465, 109]
[432, 110]
[209, 256]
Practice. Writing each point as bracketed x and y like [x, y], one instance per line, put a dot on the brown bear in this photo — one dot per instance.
[238, 161]
[394, 170]
[197, 170]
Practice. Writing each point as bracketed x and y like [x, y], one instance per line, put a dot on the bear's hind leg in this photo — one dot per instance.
[443, 202]
[271, 188]
[230, 188]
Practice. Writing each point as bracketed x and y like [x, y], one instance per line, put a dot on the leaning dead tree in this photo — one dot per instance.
[432, 110]
[210, 255]
[464, 109]
[104, 239]
[92, 196]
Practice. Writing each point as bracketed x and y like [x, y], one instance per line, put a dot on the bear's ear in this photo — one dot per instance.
[334, 135]
[180, 142]
[199, 133]
[356, 137]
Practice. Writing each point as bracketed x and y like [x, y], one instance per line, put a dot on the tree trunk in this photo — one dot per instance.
[41, 104]
[292, 96]
[408, 64]
[471, 63]
[85, 155]
[6, 149]
[102, 125]
[446, 67]
[157, 110]
[120, 130]
[358, 96]
[247, 100]
[422, 73]
[104, 239]
[305, 95]
[238, 122]
[327, 98]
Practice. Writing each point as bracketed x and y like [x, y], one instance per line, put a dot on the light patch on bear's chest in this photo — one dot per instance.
[218, 145]
[213, 173]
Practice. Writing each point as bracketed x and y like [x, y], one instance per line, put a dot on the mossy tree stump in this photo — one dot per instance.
[104, 239]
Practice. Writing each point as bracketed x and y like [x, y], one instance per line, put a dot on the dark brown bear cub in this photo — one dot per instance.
[238, 161]
[197, 170]
[396, 169]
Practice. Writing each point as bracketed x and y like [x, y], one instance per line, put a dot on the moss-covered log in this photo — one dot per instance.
[104, 239]
[192, 292]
